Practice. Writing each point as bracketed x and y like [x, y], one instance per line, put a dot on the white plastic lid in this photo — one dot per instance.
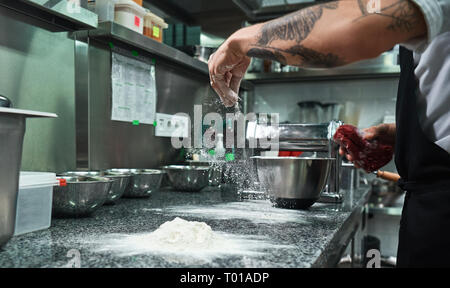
[131, 5]
[156, 19]
[37, 179]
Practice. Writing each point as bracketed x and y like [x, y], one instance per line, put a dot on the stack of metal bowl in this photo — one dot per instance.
[188, 178]
[293, 182]
[143, 182]
[80, 196]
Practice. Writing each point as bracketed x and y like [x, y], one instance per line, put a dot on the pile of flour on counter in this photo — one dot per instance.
[187, 242]
[180, 235]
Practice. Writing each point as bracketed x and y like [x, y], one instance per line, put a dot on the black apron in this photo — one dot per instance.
[424, 167]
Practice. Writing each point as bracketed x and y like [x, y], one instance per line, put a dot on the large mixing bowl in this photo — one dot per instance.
[143, 182]
[293, 182]
[118, 186]
[81, 196]
[188, 178]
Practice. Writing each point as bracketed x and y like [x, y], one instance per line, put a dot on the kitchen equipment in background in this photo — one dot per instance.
[188, 178]
[4, 102]
[310, 112]
[386, 194]
[331, 111]
[154, 26]
[293, 182]
[350, 176]
[34, 202]
[12, 131]
[80, 196]
[143, 182]
[314, 140]
[351, 113]
[129, 14]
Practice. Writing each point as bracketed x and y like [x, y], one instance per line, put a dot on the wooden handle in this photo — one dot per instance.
[388, 176]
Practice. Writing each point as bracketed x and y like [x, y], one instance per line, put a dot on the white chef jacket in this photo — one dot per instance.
[432, 56]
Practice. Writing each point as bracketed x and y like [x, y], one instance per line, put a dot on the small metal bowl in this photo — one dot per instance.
[188, 178]
[81, 196]
[143, 182]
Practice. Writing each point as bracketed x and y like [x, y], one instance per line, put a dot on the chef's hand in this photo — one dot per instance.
[227, 66]
[383, 133]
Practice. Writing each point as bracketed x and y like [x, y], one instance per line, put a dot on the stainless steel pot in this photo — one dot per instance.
[293, 182]
[12, 131]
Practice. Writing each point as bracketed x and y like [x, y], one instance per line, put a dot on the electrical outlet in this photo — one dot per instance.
[171, 125]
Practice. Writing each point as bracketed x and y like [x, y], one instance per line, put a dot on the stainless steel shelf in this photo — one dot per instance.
[325, 74]
[111, 32]
[53, 15]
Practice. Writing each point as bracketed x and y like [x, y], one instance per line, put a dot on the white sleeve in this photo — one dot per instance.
[437, 18]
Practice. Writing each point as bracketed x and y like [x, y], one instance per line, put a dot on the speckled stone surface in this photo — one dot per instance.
[278, 237]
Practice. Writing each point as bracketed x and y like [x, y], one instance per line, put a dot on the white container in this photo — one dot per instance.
[34, 201]
[105, 10]
[130, 15]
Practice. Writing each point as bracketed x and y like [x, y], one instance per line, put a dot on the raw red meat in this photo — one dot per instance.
[369, 155]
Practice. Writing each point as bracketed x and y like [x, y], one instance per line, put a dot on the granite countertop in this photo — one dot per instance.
[265, 236]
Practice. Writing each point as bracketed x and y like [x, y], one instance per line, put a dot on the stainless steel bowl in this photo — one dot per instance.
[293, 182]
[188, 178]
[118, 186]
[215, 170]
[143, 182]
[81, 196]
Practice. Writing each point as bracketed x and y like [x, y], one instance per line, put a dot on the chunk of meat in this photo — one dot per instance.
[369, 155]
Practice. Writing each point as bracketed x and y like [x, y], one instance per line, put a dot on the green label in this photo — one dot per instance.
[135, 122]
[229, 157]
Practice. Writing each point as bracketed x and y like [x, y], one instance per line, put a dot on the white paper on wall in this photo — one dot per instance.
[133, 90]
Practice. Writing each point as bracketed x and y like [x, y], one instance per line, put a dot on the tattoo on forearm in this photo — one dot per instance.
[267, 54]
[306, 57]
[295, 27]
[405, 16]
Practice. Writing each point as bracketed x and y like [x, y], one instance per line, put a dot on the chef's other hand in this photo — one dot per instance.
[227, 67]
[383, 134]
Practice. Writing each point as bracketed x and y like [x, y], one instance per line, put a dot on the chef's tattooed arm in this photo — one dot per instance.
[337, 33]
[325, 35]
